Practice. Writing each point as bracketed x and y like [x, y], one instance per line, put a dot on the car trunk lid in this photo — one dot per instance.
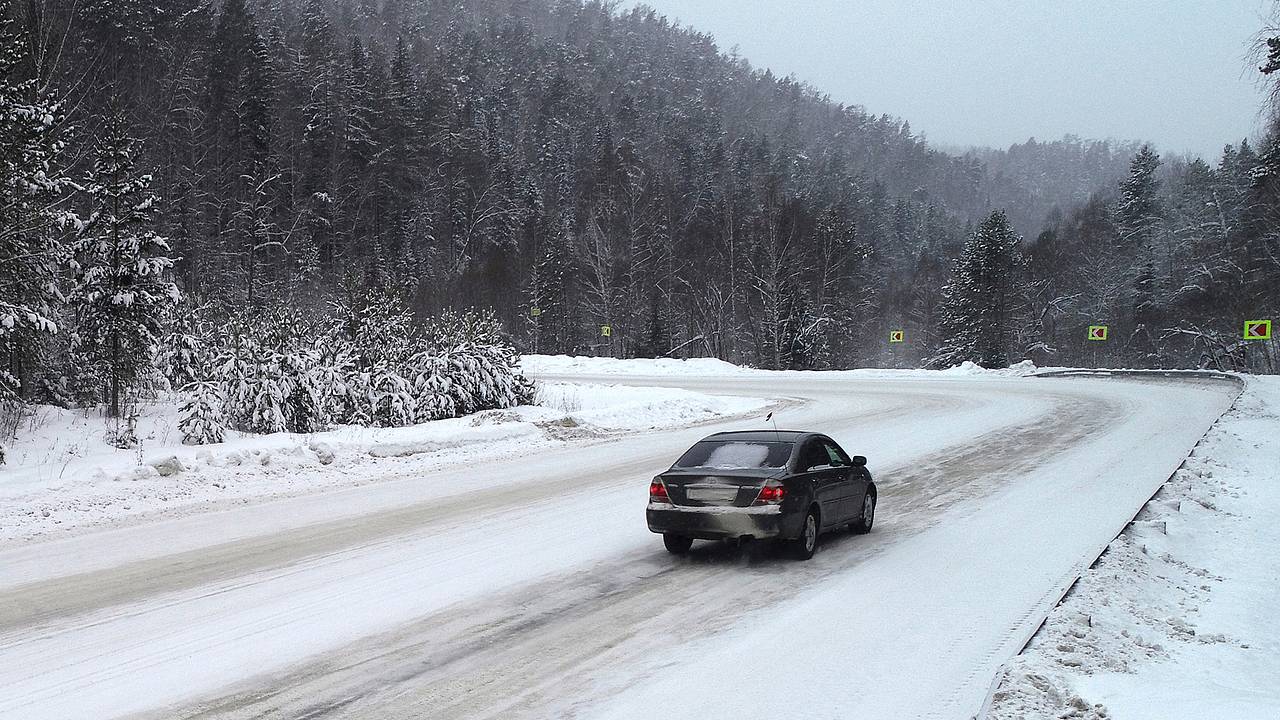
[731, 488]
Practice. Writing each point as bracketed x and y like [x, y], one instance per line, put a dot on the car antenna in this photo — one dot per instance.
[769, 419]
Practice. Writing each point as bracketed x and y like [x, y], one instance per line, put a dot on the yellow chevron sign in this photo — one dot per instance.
[1257, 329]
[897, 336]
[1097, 332]
[606, 331]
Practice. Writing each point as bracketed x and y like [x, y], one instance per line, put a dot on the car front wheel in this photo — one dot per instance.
[863, 524]
[804, 546]
[677, 544]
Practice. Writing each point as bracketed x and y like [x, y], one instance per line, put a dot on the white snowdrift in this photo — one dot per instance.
[556, 365]
[62, 475]
[575, 365]
[1178, 618]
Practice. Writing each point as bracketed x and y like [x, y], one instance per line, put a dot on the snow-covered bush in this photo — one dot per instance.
[181, 356]
[287, 372]
[433, 389]
[270, 390]
[200, 417]
[341, 393]
[392, 402]
[470, 327]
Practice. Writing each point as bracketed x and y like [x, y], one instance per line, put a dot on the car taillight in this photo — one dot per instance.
[658, 492]
[771, 494]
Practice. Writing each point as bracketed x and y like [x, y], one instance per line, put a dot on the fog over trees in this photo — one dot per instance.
[180, 177]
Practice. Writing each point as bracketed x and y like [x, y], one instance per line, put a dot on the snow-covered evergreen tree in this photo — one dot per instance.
[1139, 217]
[1138, 214]
[391, 398]
[182, 352]
[31, 251]
[270, 388]
[200, 417]
[978, 306]
[121, 291]
[433, 388]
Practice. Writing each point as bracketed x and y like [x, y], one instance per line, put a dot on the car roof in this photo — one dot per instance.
[761, 435]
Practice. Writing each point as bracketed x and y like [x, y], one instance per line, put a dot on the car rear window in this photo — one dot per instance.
[735, 455]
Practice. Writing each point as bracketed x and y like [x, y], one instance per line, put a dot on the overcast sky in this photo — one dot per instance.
[996, 72]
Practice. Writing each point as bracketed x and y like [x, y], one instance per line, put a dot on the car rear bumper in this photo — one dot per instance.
[719, 523]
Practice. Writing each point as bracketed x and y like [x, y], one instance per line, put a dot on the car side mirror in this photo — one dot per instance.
[859, 461]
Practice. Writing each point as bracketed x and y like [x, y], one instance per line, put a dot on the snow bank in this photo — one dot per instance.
[62, 475]
[574, 365]
[969, 369]
[1177, 619]
[624, 407]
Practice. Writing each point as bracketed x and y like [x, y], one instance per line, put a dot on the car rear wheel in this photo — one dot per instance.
[863, 524]
[677, 544]
[803, 547]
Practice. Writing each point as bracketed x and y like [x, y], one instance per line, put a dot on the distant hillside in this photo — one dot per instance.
[567, 165]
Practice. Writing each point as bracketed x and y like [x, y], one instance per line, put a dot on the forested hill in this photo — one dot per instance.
[604, 181]
[603, 168]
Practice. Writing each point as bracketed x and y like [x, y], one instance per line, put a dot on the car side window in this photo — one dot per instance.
[814, 457]
[836, 455]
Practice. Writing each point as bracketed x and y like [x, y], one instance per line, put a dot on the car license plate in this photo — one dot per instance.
[712, 494]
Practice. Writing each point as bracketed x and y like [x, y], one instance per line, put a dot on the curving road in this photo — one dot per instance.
[529, 587]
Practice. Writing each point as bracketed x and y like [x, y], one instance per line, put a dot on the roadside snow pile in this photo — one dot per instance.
[1178, 618]
[970, 369]
[574, 365]
[623, 407]
[640, 367]
[62, 475]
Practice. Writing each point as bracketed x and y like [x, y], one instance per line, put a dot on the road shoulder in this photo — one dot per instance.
[1176, 619]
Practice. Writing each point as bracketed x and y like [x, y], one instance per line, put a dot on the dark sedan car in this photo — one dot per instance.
[761, 484]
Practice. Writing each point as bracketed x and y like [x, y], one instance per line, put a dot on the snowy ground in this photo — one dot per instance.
[62, 476]
[527, 586]
[1179, 617]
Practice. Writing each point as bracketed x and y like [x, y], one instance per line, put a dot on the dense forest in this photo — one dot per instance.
[280, 167]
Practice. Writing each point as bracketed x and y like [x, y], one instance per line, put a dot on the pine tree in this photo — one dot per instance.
[1139, 217]
[241, 87]
[1139, 213]
[121, 291]
[31, 184]
[200, 417]
[391, 398]
[549, 290]
[978, 308]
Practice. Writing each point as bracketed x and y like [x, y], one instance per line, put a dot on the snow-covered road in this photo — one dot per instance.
[532, 588]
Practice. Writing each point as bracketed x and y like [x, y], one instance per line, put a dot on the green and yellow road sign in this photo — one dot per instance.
[535, 311]
[897, 336]
[606, 331]
[1097, 332]
[1257, 329]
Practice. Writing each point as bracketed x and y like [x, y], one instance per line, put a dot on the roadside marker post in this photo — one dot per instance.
[1257, 329]
[897, 336]
[1097, 333]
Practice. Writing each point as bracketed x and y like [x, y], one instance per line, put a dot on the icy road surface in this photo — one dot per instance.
[532, 588]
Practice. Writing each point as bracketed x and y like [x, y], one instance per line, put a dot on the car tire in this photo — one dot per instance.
[804, 546]
[863, 524]
[677, 544]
